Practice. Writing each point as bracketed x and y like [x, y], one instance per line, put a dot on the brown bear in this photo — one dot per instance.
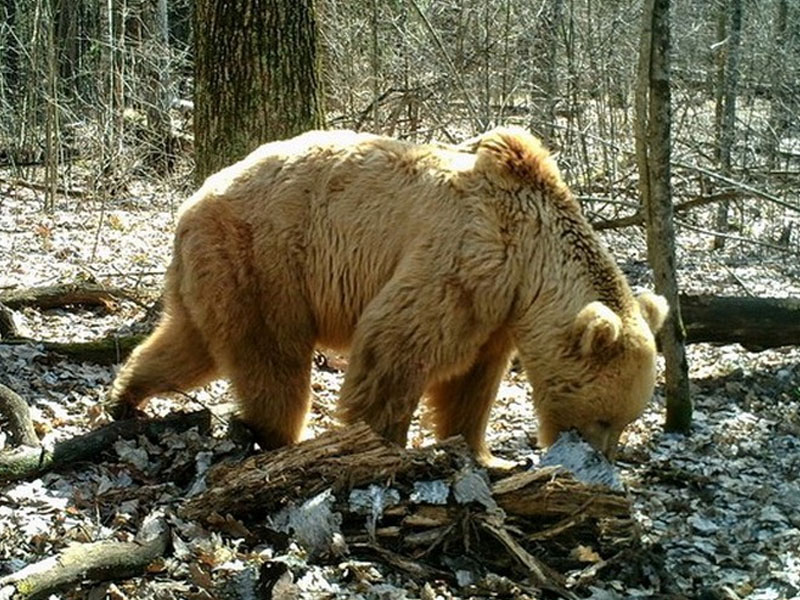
[430, 263]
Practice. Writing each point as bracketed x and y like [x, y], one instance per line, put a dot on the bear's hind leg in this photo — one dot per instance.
[174, 358]
[461, 404]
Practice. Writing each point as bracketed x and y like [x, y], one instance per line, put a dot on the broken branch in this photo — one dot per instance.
[26, 462]
[96, 561]
[84, 294]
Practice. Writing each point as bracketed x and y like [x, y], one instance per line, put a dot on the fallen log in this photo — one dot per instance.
[41, 187]
[95, 561]
[421, 508]
[755, 323]
[26, 461]
[266, 482]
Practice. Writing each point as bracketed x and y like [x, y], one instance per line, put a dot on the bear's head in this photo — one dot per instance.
[605, 377]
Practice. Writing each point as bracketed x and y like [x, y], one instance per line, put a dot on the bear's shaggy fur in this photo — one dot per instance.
[431, 264]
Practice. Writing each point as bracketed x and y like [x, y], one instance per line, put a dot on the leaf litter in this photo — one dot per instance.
[719, 510]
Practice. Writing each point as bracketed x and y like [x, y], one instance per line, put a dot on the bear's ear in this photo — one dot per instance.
[654, 310]
[596, 328]
[511, 156]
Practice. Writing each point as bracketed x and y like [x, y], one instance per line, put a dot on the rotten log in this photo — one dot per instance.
[95, 561]
[266, 482]
[420, 505]
[56, 296]
[755, 323]
[26, 462]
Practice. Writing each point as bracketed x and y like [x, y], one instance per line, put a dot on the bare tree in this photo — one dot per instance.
[653, 151]
[256, 76]
[731, 14]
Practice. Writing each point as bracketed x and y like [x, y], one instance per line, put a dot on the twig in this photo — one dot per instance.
[418, 570]
[450, 65]
[736, 278]
[743, 186]
[600, 200]
[638, 219]
[95, 561]
[18, 416]
[738, 238]
[542, 575]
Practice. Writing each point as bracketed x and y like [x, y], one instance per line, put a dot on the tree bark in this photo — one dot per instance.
[257, 77]
[653, 150]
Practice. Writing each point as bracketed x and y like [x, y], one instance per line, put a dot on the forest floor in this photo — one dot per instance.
[719, 509]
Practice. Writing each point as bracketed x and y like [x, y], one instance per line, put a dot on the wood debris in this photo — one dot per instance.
[421, 506]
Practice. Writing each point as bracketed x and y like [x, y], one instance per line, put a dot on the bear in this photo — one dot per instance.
[430, 264]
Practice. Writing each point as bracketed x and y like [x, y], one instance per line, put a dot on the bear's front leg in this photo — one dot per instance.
[381, 389]
[460, 404]
[391, 357]
[413, 332]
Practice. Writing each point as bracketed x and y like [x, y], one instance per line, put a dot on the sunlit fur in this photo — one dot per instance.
[431, 264]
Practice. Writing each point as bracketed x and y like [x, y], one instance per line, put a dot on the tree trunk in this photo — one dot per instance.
[780, 115]
[550, 24]
[10, 64]
[755, 323]
[158, 81]
[256, 76]
[52, 121]
[727, 118]
[653, 150]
